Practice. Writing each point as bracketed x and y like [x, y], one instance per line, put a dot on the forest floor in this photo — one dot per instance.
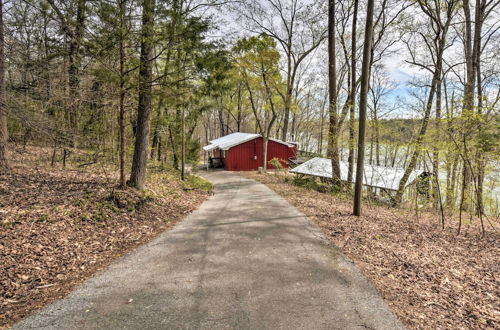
[58, 226]
[431, 278]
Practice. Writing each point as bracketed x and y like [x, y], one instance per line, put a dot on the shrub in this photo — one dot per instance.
[276, 163]
[197, 182]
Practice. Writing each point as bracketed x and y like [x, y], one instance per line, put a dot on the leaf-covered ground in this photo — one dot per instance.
[59, 226]
[431, 278]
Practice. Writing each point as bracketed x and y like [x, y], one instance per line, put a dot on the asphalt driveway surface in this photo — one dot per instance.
[246, 259]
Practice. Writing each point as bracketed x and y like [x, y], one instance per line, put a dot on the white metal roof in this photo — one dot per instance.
[234, 139]
[374, 176]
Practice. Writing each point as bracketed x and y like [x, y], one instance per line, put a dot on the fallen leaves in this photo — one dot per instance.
[59, 226]
[431, 278]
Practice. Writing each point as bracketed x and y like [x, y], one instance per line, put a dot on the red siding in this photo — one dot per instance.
[244, 157]
[293, 152]
[248, 156]
[278, 150]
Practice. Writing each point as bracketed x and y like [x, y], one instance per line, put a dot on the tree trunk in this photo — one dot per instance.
[154, 144]
[395, 156]
[333, 136]
[139, 162]
[238, 117]
[320, 138]
[121, 119]
[322, 125]
[74, 69]
[4, 134]
[294, 127]
[352, 96]
[173, 144]
[265, 134]
[159, 154]
[265, 141]
[450, 182]
[221, 121]
[288, 95]
[468, 105]
[435, 156]
[480, 159]
[183, 145]
[370, 160]
[363, 100]
[377, 141]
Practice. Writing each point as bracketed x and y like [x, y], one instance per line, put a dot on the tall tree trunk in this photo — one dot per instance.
[451, 178]
[476, 53]
[173, 145]
[183, 145]
[238, 115]
[286, 118]
[468, 104]
[265, 140]
[46, 60]
[352, 96]
[288, 94]
[294, 126]
[376, 135]
[74, 69]
[156, 130]
[363, 100]
[395, 156]
[121, 119]
[372, 137]
[159, 154]
[267, 132]
[435, 156]
[322, 125]
[480, 159]
[139, 162]
[377, 145]
[333, 134]
[154, 144]
[221, 121]
[4, 134]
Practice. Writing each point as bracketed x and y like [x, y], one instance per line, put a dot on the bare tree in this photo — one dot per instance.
[380, 87]
[296, 27]
[436, 44]
[363, 101]
[383, 40]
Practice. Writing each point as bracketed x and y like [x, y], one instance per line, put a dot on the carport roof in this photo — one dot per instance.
[234, 139]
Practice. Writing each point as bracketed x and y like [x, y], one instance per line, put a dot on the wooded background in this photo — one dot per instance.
[151, 81]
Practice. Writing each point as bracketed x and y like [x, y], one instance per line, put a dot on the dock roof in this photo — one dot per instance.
[374, 176]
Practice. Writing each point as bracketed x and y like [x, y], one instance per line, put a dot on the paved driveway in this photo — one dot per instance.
[246, 259]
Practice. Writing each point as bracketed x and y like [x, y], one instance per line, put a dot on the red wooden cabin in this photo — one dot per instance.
[243, 152]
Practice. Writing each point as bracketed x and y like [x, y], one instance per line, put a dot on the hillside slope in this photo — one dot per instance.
[59, 226]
